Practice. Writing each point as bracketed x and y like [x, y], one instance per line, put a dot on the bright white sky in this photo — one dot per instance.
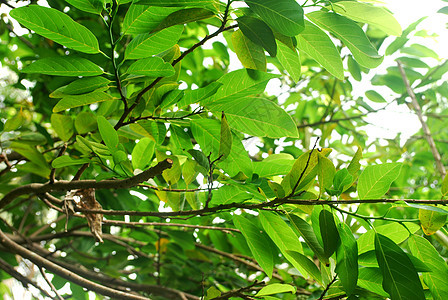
[398, 119]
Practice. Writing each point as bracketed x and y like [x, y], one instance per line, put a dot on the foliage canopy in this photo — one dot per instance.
[139, 161]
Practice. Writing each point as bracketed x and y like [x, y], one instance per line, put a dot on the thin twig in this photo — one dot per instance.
[53, 170]
[304, 169]
[328, 287]
[22, 279]
[435, 153]
[269, 204]
[53, 288]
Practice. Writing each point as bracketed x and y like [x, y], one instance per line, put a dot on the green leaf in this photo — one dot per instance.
[369, 14]
[144, 18]
[329, 232]
[90, 6]
[400, 41]
[225, 141]
[375, 96]
[420, 50]
[251, 55]
[276, 288]
[200, 158]
[152, 67]
[353, 68]
[437, 279]
[352, 36]
[180, 138]
[326, 172]
[207, 134]
[375, 181]
[431, 221]
[347, 259]
[275, 164]
[81, 86]
[190, 3]
[64, 66]
[171, 98]
[230, 194]
[258, 32]
[371, 279]
[56, 26]
[285, 16]
[302, 173]
[85, 122]
[258, 243]
[400, 279]
[108, 133]
[354, 166]
[64, 161]
[307, 233]
[212, 293]
[146, 44]
[283, 236]
[173, 174]
[289, 58]
[14, 122]
[342, 179]
[317, 44]
[257, 117]
[32, 154]
[31, 138]
[445, 186]
[394, 231]
[198, 95]
[239, 84]
[71, 101]
[306, 264]
[142, 153]
[184, 16]
[189, 171]
[277, 189]
[63, 125]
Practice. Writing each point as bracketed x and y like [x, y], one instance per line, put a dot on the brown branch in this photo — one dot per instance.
[163, 118]
[53, 170]
[42, 271]
[100, 277]
[64, 273]
[39, 188]
[270, 204]
[22, 279]
[124, 223]
[239, 292]
[435, 153]
[171, 190]
[328, 287]
[341, 119]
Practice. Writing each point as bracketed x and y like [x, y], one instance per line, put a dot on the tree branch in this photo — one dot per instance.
[64, 273]
[41, 188]
[22, 279]
[101, 277]
[270, 204]
[435, 153]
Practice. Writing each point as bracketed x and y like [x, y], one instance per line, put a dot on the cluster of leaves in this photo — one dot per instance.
[118, 89]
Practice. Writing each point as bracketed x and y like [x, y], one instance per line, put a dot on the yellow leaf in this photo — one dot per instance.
[431, 221]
